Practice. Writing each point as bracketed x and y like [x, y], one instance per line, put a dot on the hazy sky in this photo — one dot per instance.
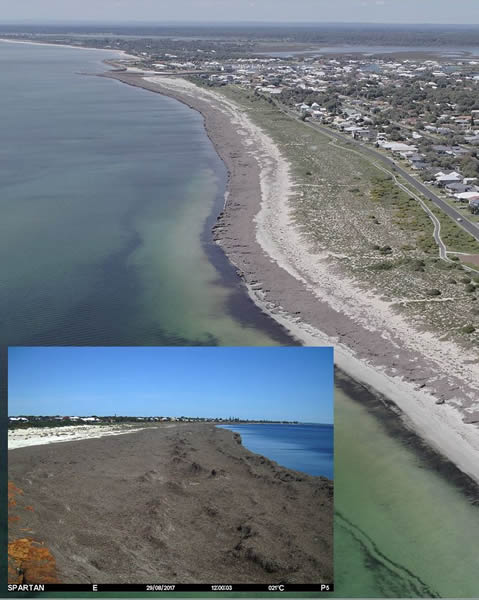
[271, 383]
[371, 11]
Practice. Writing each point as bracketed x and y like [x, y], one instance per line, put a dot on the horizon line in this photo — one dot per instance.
[234, 23]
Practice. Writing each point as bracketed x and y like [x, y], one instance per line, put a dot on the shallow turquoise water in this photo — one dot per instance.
[403, 527]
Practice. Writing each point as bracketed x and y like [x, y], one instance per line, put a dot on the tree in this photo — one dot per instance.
[470, 166]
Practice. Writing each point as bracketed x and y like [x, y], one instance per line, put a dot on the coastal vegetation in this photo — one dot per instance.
[410, 217]
[372, 230]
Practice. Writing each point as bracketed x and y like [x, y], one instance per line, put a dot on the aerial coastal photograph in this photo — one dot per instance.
[148, 465]
[219, 173]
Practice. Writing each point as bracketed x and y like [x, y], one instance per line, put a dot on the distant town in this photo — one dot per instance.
[420, 108]
[23, 421]
[423, 112]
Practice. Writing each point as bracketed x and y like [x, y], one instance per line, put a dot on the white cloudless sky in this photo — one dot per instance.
[350, 11]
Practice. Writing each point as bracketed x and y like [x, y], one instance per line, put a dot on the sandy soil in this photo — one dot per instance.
[472, 259]
[34, 436]
[181, 504]
[298, 288]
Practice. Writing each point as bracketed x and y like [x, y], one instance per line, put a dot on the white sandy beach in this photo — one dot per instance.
[35, 436]
[441, 425]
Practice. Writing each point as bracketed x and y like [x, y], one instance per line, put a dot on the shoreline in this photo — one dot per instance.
[32, 43]
[187, 504]
[386, 413]
[272, 283]
[251, 236]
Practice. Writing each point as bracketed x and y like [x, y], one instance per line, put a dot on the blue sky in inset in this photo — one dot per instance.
[308, 11]
[250, 383]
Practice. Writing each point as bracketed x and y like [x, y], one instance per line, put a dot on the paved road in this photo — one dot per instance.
[467, 225]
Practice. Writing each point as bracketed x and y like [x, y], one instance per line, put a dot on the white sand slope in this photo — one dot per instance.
[36, 436]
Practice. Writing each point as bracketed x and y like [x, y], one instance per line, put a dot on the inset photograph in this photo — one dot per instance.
[170, 465]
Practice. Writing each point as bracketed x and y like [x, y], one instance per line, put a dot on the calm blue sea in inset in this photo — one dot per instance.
[306, 447]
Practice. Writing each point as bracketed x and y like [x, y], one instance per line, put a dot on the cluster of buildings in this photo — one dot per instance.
[120, 419]
[397, 105]
[33, 419]
[74, 419]
[461, 189]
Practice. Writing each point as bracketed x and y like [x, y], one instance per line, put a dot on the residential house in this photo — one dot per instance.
[443, 178]
[468, 196]
[457, 188]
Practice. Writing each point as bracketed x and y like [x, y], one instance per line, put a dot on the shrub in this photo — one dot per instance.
[468, 329]
[386, 250]
[382, 266]
[444, 266]
[433, 292]
[416, 264]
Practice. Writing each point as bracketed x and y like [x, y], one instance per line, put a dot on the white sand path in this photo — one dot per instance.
[36, 436]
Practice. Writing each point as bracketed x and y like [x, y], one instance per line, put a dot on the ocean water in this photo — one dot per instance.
[306, 447]
[107, 195]
[405, 524]
[104, 240]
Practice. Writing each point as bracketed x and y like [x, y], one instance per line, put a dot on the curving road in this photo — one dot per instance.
[454, 214]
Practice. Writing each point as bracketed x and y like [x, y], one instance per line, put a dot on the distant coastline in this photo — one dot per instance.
[236, 232]
[36, 43]
[380, 406]
[246, 232]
